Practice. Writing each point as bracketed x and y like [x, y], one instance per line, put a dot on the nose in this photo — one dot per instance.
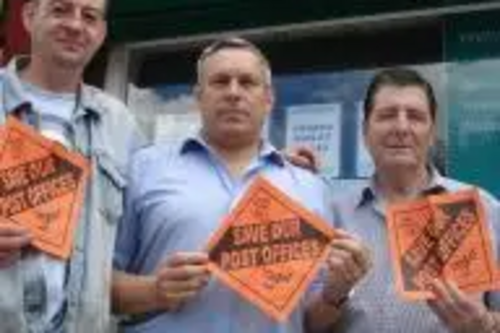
[402, 121]
[234, 87]
[74, 21]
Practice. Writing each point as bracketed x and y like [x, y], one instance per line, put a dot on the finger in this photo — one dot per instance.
[456, 309]
[301, 162]
[7, 259]
[13, 238]
[12, 230]
[441, 292]
[359, 253]
[340, 233]
[437, 306]
[181, 286]
[305, 157]
[462, 303]
[443, 304]
[9, 254]
[448, 293]
[311, 157]
[187, 258]
[344, 265]
[179, 296]
[183, 273]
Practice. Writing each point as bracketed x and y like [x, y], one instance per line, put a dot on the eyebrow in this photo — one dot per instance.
[88, 7]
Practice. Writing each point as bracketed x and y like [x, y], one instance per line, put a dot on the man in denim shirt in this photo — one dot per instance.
[38, 292]
[180, 193]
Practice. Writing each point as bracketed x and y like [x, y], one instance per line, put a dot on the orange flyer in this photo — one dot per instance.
[269, 249]
[41, 187]
[441, 236]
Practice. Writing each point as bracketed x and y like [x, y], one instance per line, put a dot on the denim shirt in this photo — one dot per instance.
[105, 133]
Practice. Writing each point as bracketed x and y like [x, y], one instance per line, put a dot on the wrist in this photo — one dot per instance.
[337, 301]
[490, 322]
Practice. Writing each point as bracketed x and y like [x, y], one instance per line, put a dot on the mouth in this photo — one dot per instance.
[234, 114]
[398, 147]
[71, 45]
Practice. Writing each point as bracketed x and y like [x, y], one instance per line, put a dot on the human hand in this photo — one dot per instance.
[180, 278]
[304, 157]
[348, 262]
[12, 240]
[458, 312]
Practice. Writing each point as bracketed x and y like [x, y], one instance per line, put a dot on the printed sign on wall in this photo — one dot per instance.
[317, 126]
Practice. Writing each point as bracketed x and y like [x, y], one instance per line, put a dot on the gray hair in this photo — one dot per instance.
[233, 43]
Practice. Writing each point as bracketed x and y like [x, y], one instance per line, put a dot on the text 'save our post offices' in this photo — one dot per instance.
[269, 249]
[442, 236]
[42, 186]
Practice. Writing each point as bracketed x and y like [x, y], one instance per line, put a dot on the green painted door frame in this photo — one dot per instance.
[133, 20]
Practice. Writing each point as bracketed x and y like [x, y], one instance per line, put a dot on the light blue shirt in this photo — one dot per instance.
[178, 195]
[55, 112]
[375, 306]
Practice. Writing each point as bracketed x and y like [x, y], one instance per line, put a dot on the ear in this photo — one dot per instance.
[364, 123]
[28, 13]
[270, 99]
[103, 32]
[197, 91]
[434, 135]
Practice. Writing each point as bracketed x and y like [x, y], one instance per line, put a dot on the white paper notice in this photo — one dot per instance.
[317, 126]
[364, 163]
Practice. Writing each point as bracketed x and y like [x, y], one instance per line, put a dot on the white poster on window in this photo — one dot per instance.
[317, 126]
[364, 163]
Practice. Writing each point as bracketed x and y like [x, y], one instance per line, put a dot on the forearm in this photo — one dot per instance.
[133, 294]
[321, 315]
[489, 322]
[492, 324]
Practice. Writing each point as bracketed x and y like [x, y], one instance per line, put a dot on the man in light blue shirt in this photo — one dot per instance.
[180, 193]
[399, 129]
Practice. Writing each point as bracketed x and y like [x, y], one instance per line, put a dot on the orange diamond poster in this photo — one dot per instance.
[41, 187]
[442, 236]
[269, 249]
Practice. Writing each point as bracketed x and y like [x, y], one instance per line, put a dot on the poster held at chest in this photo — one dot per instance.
[441, 237]
[42, 186]
[269, 249]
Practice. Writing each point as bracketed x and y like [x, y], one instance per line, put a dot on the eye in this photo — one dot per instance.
[417, 115]
[219, 81]
[249, 82]
[59, 9]
[385, 114]
[91, 17]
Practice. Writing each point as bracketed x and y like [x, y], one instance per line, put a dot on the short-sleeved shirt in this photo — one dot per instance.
[177, 198]
[375, 306]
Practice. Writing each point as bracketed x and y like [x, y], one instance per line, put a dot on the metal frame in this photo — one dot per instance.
[122, 56]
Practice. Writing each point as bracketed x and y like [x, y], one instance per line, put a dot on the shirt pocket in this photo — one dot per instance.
[111, 187]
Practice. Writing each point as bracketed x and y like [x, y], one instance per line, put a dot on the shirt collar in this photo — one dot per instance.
[14, 97]
[437, 185]
[267, 151]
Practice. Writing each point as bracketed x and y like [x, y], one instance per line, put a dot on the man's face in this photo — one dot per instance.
[400, 128]
[233, 94]
[65, 32]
